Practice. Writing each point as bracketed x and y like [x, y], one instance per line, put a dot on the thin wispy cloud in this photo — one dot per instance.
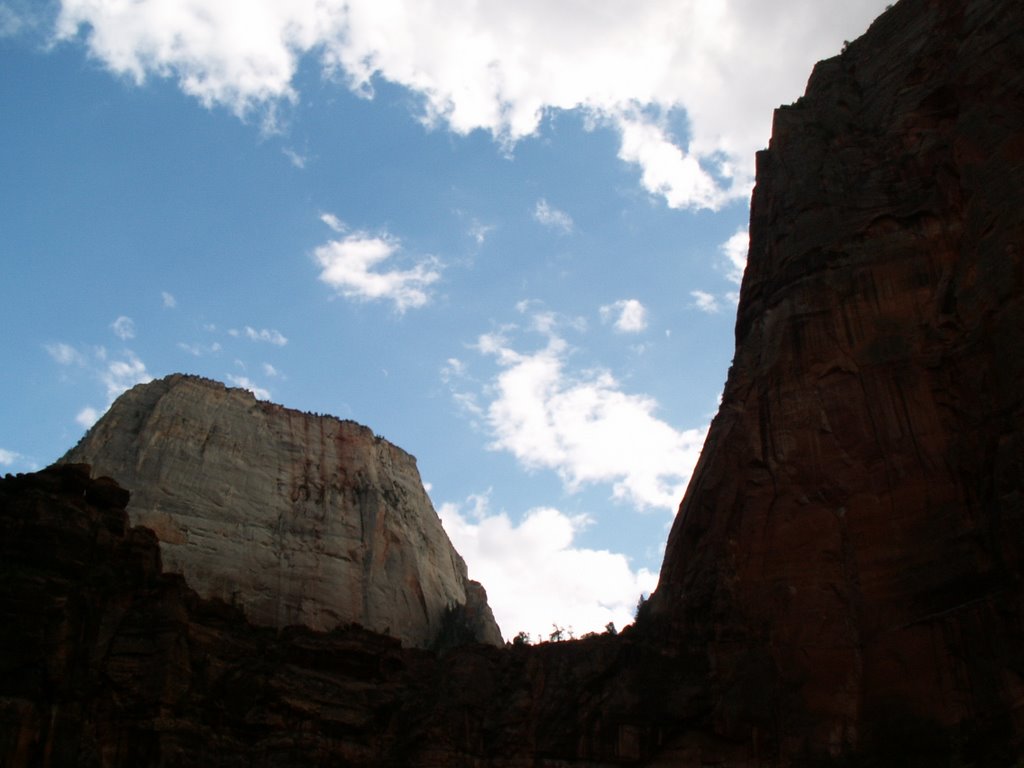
[65, 354]
[261, 393]
[8, 458]
[724, 65]
[169, 302]
[297, 160]
[124, 328]
[124, 373]
[267, 335]
[358, 266]
[705, 302]
[627, 315]
[552, 217]
[568, 585]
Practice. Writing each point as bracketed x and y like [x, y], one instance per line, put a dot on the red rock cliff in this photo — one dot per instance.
[849, 554]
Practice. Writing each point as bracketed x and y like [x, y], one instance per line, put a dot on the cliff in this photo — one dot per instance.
[295, 518]
[848, 557]
[842, 585]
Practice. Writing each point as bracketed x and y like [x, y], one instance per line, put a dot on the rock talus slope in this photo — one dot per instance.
[295, 518]
[850, 550]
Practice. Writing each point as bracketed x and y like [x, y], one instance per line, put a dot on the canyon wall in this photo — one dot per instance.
[295, 518]
[850, 550]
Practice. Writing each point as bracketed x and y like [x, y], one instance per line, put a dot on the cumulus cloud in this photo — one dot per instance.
[628, 315]
[123, 328]
[246, 383]
[723, 65]
[735, 252]
[534, 574]
[269, 335]
[552, 217]
[583, 425]
[705, 301]
[354, 266]
[168, 299]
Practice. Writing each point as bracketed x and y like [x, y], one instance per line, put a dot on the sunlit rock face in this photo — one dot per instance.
[849, 554]
[298, 519]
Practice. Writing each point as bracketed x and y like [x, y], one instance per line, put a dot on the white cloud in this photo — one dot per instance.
[168, 300]
[534, 575]
[735, 252]
[246, 383]
[705, 301]
[7, 458]
[352, 266]
[198, 350]
[120, 375]
[552, 217]
[87, 416]
[667, 170]
[270, 371]
[297, 160]
[269, 335]
[479, 232]
[333, 222]
[123, 328]
[11, 24]
[584, 427]
[65, 354]
[629, 315]
[502, 67]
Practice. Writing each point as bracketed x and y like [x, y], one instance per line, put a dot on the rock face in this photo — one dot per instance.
[295, 518]
[850, 552]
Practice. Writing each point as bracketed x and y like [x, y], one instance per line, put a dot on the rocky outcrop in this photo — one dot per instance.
[297, 519]
[107, 661]
[850, 552]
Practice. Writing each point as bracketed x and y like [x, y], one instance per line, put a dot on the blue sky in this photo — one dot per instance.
[507, 237]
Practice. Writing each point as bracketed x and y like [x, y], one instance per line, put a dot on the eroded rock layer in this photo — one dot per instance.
[850, 550]
[295, 518]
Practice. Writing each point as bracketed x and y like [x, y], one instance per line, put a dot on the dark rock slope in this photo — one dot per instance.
[843, 582]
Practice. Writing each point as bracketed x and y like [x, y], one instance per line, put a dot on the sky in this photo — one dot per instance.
[508, 237]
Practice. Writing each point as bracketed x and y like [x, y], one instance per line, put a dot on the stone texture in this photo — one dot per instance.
[850, 550]
[295, 518]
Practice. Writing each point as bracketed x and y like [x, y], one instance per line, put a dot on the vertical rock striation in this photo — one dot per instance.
[295, 518]
[849, 554]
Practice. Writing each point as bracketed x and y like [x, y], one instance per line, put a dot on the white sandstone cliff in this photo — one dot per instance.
[298, 519]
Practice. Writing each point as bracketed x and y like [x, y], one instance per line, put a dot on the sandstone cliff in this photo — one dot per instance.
[850, 551]
[295, 518]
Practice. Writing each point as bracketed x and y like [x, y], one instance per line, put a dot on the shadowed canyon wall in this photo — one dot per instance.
[850, 548]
